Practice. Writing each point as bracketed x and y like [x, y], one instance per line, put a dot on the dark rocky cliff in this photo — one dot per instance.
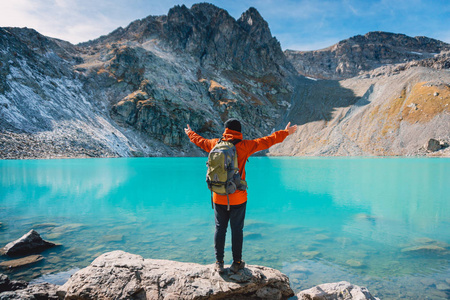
[197, 66]
[211, 35]
[148, 80]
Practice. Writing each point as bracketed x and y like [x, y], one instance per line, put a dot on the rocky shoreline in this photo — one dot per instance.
[122, 275]
[44, 146]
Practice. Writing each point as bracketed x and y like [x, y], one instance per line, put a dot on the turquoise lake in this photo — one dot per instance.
[383, 223]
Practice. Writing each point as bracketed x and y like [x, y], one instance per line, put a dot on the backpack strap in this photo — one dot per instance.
[234, 142]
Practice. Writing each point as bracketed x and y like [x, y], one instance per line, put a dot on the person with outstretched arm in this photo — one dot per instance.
[235, 213]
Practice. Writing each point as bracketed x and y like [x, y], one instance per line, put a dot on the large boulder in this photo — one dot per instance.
[342, 290]
[30, 243]
[121, 275]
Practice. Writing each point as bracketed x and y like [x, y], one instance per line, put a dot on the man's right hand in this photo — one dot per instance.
[289, 128]
[188, 129]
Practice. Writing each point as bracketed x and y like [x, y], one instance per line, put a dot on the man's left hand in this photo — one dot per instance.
[188, 129]
[291, 129]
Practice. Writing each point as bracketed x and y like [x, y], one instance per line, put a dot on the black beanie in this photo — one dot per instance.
[233, 124]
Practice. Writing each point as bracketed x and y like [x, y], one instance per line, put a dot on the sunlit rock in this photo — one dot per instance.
[122, 275]
[27, 244]
[338, 291]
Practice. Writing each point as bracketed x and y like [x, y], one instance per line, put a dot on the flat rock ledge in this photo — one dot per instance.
[121, 275]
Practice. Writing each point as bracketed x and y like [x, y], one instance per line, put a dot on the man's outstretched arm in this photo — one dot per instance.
[200, 141]
[275, 138]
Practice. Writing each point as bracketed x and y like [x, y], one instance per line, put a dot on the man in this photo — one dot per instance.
[237, 200]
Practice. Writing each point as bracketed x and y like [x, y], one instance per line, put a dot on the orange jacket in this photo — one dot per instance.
[244, 149]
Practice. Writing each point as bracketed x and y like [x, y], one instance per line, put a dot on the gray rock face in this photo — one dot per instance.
[342, 290]
[223, 52]
[359, 54]
[45, 109]
[28, 244]
[122, 275]
[41, 291]
[11, 285]
[12, 289]
[211, 35]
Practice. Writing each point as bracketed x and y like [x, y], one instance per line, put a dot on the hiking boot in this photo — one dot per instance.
[219, 267]
[236, 266]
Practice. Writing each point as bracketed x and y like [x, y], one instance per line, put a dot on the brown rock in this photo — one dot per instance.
[16, 263]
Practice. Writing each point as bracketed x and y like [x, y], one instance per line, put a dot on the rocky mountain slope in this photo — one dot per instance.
[362, 53]
[131, 92]
[394, 113]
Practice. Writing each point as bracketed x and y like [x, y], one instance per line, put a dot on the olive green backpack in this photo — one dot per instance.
[223, 176]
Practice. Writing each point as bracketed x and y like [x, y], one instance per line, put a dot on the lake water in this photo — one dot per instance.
[383, 223]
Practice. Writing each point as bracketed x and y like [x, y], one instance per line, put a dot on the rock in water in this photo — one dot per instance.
[121, 275]
[28, 244]
[426, 250]
[342, 290]
[21, 262]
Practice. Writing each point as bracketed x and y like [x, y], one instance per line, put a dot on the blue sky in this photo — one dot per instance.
[297, 24]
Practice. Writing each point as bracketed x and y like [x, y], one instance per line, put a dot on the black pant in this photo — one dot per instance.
[236, 216]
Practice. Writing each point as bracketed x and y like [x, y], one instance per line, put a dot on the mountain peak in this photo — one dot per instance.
[252, 22]
[251, 15]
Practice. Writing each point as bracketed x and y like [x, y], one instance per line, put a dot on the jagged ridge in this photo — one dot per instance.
[362, 53]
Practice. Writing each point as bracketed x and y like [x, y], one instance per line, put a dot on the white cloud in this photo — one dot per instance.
[73, 21]
[17, 13]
